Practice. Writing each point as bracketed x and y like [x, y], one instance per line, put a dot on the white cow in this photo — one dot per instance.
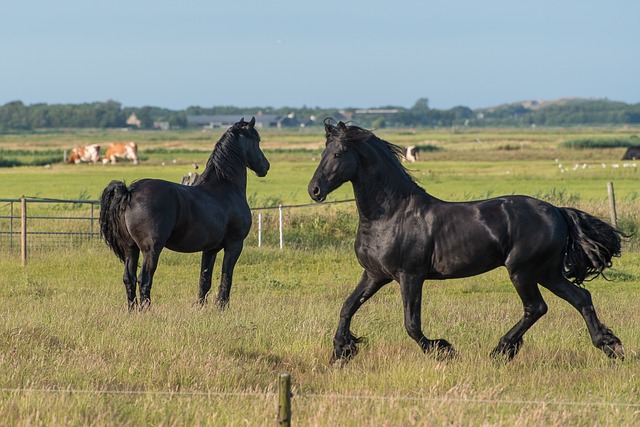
[88, 153]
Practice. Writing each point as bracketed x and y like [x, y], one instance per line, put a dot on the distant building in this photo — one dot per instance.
[133, 120]
[263, 121]
[378, 111]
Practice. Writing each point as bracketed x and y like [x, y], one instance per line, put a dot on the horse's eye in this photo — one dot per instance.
[337, 155]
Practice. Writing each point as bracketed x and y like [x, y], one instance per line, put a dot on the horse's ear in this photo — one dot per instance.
[327, 128]
[252, 122]
[342, 126]
[239, 124]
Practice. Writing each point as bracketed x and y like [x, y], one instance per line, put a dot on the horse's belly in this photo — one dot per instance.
[196, 239]
[458, 271]
[464, 261]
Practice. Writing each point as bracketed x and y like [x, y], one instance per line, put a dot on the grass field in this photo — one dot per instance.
[71, 354]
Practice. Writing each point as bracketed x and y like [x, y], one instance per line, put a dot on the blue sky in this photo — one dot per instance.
[322, 54]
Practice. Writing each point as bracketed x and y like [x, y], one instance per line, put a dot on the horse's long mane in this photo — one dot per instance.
[226, 160]
[356, 137]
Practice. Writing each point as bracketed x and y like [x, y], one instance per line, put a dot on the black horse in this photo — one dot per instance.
[407, 235]
[211, 215]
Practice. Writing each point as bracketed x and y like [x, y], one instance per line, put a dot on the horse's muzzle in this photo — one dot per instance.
[316, 192]
[262, 171]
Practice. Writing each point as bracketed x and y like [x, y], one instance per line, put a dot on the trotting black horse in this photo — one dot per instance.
[407, 235]
[211, 215]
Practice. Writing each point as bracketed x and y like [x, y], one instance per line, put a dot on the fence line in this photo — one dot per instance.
[86, 226]
[299, 395]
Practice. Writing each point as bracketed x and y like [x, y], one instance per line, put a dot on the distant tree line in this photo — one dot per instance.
[16, 116]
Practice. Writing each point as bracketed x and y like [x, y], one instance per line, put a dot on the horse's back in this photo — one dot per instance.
[510, 231]
[441, 240]
[186, 218]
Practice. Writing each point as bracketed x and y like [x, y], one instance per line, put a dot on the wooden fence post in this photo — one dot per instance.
[23, 231]
[284, 400]
[612, 205]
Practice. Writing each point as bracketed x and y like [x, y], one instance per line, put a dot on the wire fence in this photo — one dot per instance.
[297, 396]
[32, 224]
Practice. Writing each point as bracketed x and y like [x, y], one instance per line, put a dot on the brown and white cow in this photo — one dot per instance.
[122, 150]
[88, 153]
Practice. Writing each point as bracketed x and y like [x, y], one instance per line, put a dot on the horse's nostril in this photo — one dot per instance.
[316, 190]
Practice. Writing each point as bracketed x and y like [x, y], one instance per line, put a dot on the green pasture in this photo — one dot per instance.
[71, 354]
[287, 180]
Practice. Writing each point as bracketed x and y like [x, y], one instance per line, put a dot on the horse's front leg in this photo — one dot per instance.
[206, 272]
[231, 254]
[344, 342]
[411, 289]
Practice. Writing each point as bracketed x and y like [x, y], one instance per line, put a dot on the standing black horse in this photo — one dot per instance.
[407, 235]
[211, 215]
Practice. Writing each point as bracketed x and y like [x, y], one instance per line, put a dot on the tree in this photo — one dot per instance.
[422, 104]
[144, 115]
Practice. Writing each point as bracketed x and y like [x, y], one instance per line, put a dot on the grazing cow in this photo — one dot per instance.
[632, 153]
[122, 150]
[88, 153]
[411, 153]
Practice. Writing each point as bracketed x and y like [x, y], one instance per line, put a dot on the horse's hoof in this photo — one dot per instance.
[442, 350]
[201, 303]
[446, 353]
[338, 362]
[222, 304]
[507, 351]
[132, 305]
[614, 351]
[145, 304]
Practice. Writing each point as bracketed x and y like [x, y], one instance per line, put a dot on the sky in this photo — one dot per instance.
[327, 54]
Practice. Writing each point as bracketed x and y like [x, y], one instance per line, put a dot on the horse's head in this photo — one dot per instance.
[339, 161]
[249, 141]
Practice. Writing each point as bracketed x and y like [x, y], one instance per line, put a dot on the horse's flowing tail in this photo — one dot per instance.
[591, 245]
[113, 229]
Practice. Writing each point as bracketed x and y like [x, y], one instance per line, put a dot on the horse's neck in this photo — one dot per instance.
[213, 177]
[380, 193]
[224, 168]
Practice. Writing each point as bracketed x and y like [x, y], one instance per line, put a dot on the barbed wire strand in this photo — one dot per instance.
[330, 396]
[303, 205]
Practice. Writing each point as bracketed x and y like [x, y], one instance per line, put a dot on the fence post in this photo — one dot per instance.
[259, 230]
[11, 226]
[612, 204]
[23, 231]
[91, 223]
[284, 400]
[280, 211]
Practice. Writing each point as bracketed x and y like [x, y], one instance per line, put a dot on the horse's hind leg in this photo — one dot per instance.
[534, 308]
[129, 278]
[344, 342]
[601, 336]
[145, 280]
